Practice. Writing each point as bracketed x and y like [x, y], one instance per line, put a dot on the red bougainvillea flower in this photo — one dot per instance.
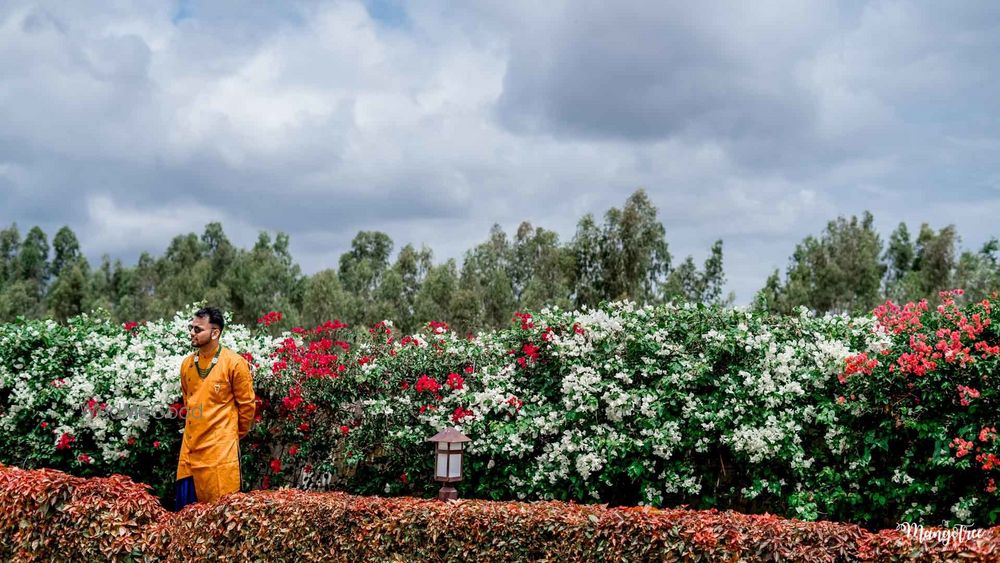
[459, 414]
[469, 370]
[308, 468]
[64, 441]
[898, 320]
[578, 329]
[330, 326]
[270, 318]
[364, 360]
[966, 393]
[321, 345]
[304, 427]
[130, 326]
[988, 434]
[427, 384]
[404, 478]
[44, 425]
[455, 381]
[530, 350]
[84, 458]
[438, 327]
[991, 486]
[92, 407]
[988, 460]
[515, 402]
[156, 443]
[345, 430]
[266, 483]
[860, 363]
[381, 329]
[177, 410]
[275, 466]
[293, 449]
[963, 447]
[525, 320]
[293, 399]
[131, 440]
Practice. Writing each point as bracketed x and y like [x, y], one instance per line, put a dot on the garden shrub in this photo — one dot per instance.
[851, 419]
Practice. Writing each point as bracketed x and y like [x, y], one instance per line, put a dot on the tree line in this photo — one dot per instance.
[848, 268]
[625, 255]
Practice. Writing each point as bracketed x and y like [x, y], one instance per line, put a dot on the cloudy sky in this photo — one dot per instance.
[754, 122]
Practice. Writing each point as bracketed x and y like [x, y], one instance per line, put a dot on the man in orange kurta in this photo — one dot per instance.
[219, 400]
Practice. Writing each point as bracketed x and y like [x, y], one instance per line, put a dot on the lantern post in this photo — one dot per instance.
[448, 453]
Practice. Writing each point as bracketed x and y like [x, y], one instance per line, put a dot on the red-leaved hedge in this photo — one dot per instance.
[49, 515]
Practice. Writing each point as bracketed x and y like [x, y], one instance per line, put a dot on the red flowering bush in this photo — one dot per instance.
[925, 408]
[303, 408]
[270, 318]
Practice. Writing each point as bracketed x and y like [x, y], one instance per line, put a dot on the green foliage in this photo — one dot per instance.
[264, 279]
[634, 255]
[18, 299]
[587, 273]
[68, 295]
[978, 273]
[842, 269]
[10, 244]
[686, 284]
[325, 298]
[436, 296]
[838, 272]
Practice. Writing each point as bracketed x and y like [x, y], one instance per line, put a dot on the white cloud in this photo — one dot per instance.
[755, 123]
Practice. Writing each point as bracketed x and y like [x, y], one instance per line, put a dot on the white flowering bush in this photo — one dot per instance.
[96, 397]
[623, 404]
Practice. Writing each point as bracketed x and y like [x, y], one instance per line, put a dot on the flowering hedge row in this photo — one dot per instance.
[872, 420]
[97, 398]
[50, 515]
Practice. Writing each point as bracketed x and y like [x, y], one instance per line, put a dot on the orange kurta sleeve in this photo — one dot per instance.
[183, 463]
[184, 389]
[243, 395]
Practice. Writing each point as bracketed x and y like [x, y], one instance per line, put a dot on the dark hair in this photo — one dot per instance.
[214, 316]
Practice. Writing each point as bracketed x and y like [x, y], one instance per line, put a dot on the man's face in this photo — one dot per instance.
[201, 332]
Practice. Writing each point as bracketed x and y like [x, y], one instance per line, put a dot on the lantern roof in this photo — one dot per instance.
[449, 435]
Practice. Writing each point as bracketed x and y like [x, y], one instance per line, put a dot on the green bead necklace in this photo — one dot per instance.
[203, 373]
